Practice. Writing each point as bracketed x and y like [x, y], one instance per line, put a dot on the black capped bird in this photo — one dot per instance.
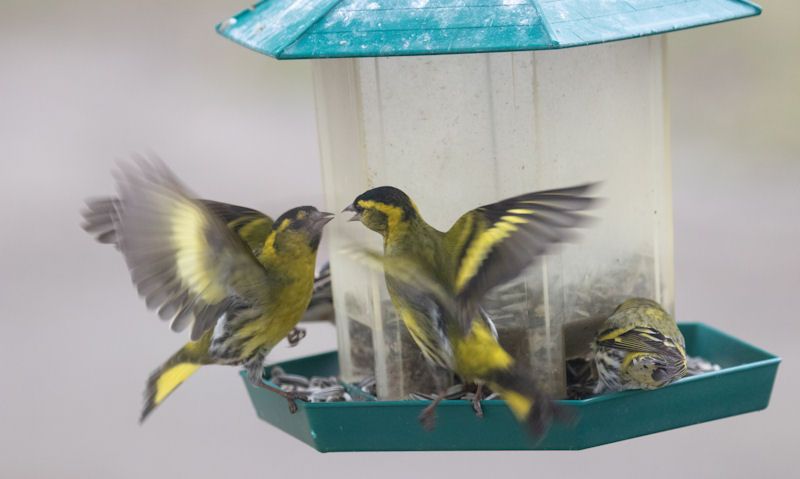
[239, 281]
[437, 280]
[250, 225]
[639, 347]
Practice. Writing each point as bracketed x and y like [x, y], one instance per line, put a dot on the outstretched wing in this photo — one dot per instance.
[100, 218]
[251, 225]
[496, 243]
[185, 261]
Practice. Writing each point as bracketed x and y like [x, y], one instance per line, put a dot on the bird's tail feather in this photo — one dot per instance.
[527, 402]
[164, 380]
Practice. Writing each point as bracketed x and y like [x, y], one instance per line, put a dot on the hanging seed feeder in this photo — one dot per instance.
[461, 103]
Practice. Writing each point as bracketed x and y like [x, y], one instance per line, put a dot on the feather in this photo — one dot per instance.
[180, 253]
[497, 242]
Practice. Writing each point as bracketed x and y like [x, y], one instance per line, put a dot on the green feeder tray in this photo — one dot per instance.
[744, 384]
[377, 28]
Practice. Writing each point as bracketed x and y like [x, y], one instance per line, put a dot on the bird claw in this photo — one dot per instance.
[428, 418]
[476, 406]
[476, 401]
[428, 415]
[292, 398]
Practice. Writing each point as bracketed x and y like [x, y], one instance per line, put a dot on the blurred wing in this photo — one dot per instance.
[251, 225]
[496, 243]
[99, 219]
[487, 320]
[183, 259]
[427, 307]
[633, 339]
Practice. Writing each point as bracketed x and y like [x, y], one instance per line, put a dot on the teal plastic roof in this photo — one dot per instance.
[357, 28]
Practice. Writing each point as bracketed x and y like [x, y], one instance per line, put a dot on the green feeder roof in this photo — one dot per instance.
[358, 28]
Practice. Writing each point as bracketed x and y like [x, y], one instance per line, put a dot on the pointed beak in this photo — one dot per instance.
[352, 209]
[321, 218]
[325, 217]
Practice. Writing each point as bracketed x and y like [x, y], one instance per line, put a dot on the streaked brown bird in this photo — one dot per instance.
[639, 347]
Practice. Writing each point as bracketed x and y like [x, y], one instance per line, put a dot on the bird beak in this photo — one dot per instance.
[321, 218]
[352, 208]
[325, 217]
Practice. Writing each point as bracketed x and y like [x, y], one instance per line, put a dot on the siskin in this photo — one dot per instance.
[239, 280]
[250, 225]
[638, 347]
[425, 269]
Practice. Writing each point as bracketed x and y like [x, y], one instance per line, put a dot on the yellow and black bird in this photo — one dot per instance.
[241, 281]
[425, 269]
[250, 225]
[639, 347]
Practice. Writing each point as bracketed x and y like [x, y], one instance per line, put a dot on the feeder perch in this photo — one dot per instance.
[462, 103]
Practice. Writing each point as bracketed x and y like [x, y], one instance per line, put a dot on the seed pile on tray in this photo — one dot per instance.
[580, 384]
[698, 365]
[324, 388]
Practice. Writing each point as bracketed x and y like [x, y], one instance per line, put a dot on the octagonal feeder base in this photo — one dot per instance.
[744, 384]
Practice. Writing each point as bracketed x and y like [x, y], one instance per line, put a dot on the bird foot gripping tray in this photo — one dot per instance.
[743, 384]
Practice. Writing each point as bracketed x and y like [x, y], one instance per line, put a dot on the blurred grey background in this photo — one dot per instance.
[83, 83]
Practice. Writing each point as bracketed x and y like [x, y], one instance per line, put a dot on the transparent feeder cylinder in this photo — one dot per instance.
[459, 131]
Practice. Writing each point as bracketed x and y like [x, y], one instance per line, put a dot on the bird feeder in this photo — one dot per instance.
[464, 102]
